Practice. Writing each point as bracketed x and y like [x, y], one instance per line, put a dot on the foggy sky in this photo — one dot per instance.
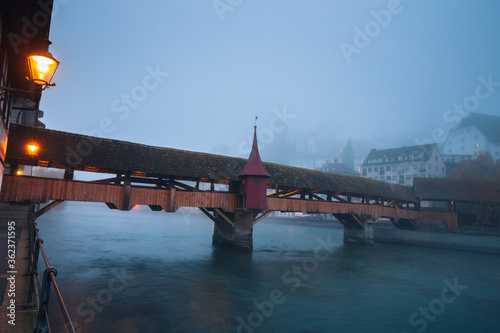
[194, 74]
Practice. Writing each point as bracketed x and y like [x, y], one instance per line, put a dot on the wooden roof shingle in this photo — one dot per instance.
[456, 190]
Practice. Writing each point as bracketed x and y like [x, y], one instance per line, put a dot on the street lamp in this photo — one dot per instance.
[42, 67]
[32, 149]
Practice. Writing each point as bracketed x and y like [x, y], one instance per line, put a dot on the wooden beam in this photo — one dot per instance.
[390, 203]
[276, 191]
[69, 174]
[316, 197]
[207, 213]
[264, 215]
[172, 199]
[171, 182]
[126, 191]
[48, 207]
[289, 194]
[111, 205]
[159, 182]
[227, 219]
[107, 180]
[155, 208]
[144, 180]
[339, 198]
[357, 220]
[184, 186]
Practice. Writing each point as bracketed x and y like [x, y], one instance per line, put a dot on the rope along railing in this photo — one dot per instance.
[40, 290]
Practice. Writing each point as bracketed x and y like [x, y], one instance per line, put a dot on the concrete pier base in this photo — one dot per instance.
[357, 229]
[362, 235]
[237, 236]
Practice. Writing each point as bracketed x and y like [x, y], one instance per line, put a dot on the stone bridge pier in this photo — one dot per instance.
[234, 230]
[357, 228]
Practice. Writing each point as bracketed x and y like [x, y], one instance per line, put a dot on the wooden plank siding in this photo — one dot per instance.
[373, 211]
[223, 200]
[39, 190]
[162, 197]
[149, 196]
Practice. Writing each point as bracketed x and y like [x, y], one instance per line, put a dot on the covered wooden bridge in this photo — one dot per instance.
[167, 179]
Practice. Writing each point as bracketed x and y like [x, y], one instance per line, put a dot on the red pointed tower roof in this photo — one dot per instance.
[254, 166]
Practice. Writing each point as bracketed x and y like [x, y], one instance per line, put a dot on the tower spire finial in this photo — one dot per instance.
[254, 164]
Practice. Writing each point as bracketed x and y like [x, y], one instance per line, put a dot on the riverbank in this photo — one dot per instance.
[445, 240]
[428, 235]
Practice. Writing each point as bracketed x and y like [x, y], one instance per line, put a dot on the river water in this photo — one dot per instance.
[144, 271]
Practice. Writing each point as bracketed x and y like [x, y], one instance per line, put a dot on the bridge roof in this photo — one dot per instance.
[79, 152]
[456, 189]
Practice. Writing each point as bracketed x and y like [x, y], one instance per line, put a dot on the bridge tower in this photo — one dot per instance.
[235, 229]
[254, 177]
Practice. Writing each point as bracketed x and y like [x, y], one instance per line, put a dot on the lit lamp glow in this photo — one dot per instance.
[42, 68]
[19, 172]
[32, 149]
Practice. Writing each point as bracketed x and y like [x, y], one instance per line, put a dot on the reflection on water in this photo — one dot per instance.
[145, 271]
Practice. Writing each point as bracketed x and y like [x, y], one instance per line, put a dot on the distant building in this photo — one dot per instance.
[339, 168]
[402, 165]
[473, 134]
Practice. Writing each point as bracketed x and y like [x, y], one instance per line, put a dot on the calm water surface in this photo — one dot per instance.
[144, 271]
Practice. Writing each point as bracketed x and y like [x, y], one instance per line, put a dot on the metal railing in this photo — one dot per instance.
[40, 290]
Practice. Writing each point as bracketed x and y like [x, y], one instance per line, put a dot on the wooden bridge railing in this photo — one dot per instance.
[24, 189]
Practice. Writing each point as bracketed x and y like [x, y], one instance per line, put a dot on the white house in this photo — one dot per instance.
[473, 134]
[402, 165]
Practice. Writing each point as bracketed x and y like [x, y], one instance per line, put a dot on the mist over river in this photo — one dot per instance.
[144, 271]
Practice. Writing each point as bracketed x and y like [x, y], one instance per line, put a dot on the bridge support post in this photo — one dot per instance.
[234, 230]
[357, 230]
[359, 236]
